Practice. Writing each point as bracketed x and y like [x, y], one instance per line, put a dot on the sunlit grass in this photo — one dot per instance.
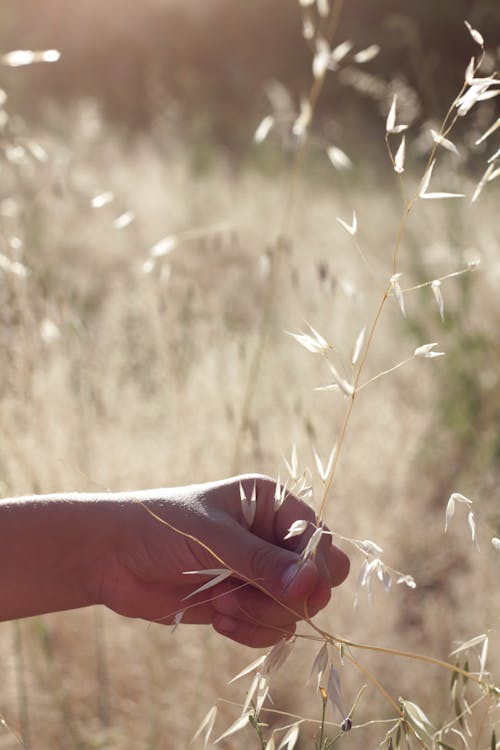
[133, 295]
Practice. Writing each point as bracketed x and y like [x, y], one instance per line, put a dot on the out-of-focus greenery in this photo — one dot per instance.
[208, 62]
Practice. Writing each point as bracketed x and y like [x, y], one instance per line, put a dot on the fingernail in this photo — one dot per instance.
[291, 574]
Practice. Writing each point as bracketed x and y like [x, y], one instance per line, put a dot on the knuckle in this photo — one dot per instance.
[263, 559]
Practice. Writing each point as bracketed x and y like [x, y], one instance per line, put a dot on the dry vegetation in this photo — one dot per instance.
[120, 375]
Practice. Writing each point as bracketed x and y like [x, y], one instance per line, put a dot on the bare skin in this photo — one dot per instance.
[65, 551]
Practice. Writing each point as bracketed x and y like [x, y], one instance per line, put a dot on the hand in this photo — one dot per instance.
[143, 575]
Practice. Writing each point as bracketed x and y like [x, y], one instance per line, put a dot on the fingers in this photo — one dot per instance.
[338, 565]
[272, 526]
[260, 553]
[250, 634]
[256, 607]
[333, 564]
[276, 588]
[249, 604]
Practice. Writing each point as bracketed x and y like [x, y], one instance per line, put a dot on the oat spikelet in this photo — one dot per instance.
[206, 726]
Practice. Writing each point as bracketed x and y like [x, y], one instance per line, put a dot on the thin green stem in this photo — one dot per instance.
[254, 721]
[323, 716]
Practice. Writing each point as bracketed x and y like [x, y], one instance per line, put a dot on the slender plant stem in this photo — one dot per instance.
[276, 252]
[373, 680]
[331, 476]
[387, 293]
[322, 730]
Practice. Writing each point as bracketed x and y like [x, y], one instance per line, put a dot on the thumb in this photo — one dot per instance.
[278, 570]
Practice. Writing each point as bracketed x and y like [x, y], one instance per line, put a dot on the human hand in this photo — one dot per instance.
[203, 528]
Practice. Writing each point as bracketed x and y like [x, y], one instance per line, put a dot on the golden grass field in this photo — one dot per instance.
[116, 378]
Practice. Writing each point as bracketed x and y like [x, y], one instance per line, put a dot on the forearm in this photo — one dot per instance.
[51, 549]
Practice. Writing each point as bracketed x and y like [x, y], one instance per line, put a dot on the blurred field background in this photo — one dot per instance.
[122, 370]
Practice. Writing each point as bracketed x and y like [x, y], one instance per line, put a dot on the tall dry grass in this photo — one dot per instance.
[120, 375]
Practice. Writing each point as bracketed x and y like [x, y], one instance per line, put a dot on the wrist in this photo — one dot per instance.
[53, 552]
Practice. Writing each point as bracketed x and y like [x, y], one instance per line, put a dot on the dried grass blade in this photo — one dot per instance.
[399, 159]
[290, 739]
[206, 726]
[263, 129]
[220, 575]
[489, 132]
[249, 668]
[236, 727]
[469, 644]
[358, 346]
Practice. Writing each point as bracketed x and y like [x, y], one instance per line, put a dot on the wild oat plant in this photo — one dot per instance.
[394, 721]
[474, 696]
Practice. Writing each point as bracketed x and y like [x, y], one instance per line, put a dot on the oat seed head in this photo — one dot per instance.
[321, 57]
[471, 643]
[276, 657]
[358, 346]
[339, 158]
[314, 343]
[334, 691]
[370, 548]
[290, 739]
[319, 665]
[249, 668]
[263, 129]
[323, 8]
[301, 124]
[206, 726]
[219, 575]
[248, 505]
[13, 267]
[237, 726]
[308, 29]
[427, 351]
[484, 179]
[345, 386]
[473, 529]
[103, 199]
[489, 131]
[312, 544]
[478, 38]
[296, 529]
[293, 466]
[434, 195]
[444, 142]
[20, 57]
[438, 296]
[352, 228]
[163, 247]
[339, 52]
[399, 159]
[367, 55]
[398, 292]
[324, 471]
[124, 220]
[418, 721]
